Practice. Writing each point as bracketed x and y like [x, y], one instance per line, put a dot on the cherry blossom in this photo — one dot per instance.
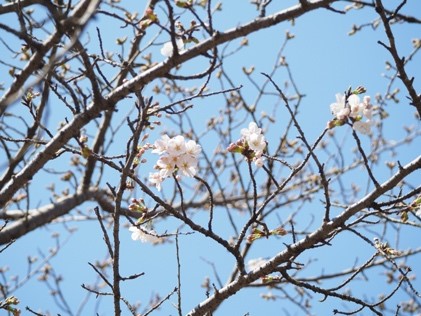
[362, 127]
[254, 138]
[167, 48]
[252, 129]
[156, 179]
[352, 110]
[259, 162]
[252, 144]
[176, 146]
[257, 142]
[355, 105]
[368, 108]
[144, 235]
[192, 148]
[166, 166]
[338, 108]
[175, 154]
[187, 165]
[160, 145]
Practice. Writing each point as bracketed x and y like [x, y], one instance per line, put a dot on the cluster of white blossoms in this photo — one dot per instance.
[254, 138]
[251, 145]
[176, 154]
[167, 48]
[255, 141]
[352, 109]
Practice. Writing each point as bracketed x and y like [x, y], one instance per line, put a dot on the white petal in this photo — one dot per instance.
[192, 148]
[256, 142]
[354, 100]
[362, 127]
[167, 48]
[259, 162]
[418, 213]
[160, 145]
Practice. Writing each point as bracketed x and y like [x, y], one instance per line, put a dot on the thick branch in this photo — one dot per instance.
[81, 14]
[138, 82]
[308, 242]
[217, 39]
[16, 5]
[39, 217]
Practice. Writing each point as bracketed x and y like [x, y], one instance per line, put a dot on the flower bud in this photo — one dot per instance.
[234, 148]
[359, 90]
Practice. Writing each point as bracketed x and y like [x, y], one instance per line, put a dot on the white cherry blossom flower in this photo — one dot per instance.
[355, 105]
[175, 153]
[366, 99]
[341, 111]
[259, 162]
[187, 165]
[256, 142]
[362, 127]
[161, 145]
[166, 165]
[353, 109]
[176, 146]
[193, 149]
[156, 179]
[368, 113]
[144, 235]
[338, 108]
[252, 129]
[368, 107]
[167, 48]
[253, 141]
[254, 138]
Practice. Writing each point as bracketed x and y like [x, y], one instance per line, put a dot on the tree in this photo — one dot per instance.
[172, 126]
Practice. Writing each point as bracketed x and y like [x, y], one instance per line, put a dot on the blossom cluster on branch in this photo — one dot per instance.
[251, 145]
[76, 115]
[176, 154]
[351, 109]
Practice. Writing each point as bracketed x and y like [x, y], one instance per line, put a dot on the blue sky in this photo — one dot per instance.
[324, 61]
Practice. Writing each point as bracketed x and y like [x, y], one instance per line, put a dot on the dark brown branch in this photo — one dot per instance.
[399, 62]
[309, 241]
